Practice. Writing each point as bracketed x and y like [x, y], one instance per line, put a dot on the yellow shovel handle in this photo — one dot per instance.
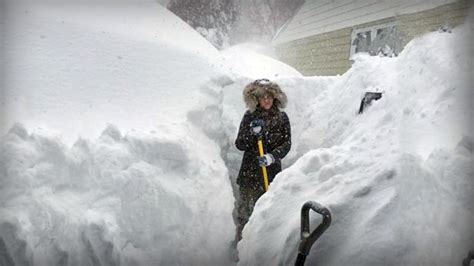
[264, 169]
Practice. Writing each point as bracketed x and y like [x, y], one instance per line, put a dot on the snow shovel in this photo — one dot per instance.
[307, 238]
[264, 169]
[469, 260]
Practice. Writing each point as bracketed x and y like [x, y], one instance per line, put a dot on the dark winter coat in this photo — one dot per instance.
[276, 140]
[276, 133]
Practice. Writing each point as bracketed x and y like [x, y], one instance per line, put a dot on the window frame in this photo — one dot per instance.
[373, 32]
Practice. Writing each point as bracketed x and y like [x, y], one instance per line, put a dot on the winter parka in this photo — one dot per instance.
[276, 134]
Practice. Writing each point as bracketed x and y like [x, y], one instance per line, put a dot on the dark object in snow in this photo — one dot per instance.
[367, 100]
[307, 238]
[469, 260]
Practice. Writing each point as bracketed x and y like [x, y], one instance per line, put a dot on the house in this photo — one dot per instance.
[324, 34]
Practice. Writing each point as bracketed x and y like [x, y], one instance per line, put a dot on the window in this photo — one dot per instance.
[382, 40]
[362, 41]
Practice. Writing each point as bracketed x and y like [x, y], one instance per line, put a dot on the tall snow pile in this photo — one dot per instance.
[149, 189]
[398, 178]
[74, 67]
[253, 61]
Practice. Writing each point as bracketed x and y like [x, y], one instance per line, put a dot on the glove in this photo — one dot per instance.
[266, 160]
[256, 127]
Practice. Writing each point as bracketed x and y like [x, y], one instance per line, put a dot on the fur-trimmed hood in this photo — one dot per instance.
[259, 88]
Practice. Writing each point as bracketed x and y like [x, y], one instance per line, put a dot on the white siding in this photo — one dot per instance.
[320, 16]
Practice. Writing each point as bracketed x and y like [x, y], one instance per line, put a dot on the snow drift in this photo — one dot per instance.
[149, 189]
[75, 66]
[133, 199]
[398, 178]
[254, 61]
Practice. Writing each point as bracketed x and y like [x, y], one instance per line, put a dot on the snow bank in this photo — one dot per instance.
[253, 61]
[398, 178]
[133, 199]
[149, 189]
[76, 66]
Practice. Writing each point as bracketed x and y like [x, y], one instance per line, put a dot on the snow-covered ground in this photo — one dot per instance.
[118, 124]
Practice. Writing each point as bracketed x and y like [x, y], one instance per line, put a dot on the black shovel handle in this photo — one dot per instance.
[308, 238]
[470, 257]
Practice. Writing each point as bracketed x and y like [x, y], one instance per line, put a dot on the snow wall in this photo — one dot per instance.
[151, 187]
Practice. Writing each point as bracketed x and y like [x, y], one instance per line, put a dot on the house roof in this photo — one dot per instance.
[320, 16]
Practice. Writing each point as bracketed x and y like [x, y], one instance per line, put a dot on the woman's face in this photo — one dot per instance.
[266, 102]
